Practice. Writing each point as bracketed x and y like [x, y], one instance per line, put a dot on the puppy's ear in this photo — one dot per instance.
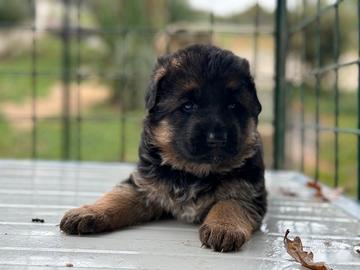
[257, 105]
[151, 97]
[245, 67]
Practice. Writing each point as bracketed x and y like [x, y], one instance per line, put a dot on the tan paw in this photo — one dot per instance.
[222, 237]
[84, 220]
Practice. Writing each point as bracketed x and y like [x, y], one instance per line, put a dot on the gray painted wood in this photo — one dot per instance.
[46, 190]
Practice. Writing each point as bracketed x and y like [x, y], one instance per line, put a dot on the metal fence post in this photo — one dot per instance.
[65, 150]
[280, 85]
[34, 82]
[358, 106]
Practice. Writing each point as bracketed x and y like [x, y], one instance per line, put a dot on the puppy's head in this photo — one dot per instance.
[202, 109]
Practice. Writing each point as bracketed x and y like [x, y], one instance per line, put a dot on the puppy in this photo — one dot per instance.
[200, 157]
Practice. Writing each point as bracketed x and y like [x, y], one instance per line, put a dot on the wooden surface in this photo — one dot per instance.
[45, 190]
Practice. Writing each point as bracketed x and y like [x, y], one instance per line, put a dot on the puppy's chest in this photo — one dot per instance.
[187, 204]
[192, 202]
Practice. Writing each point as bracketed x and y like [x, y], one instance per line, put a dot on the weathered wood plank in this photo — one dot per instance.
[47, 189]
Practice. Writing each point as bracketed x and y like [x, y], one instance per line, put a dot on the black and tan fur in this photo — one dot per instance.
[181, 172]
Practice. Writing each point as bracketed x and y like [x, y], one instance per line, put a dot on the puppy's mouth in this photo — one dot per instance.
[212, 156]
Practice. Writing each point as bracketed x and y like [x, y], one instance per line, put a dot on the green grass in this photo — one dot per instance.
[99, 140]
[12, 143]
[347, 161]
[15, 69]
[347, 154]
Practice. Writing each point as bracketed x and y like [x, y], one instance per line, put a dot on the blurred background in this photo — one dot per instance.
[73, 74]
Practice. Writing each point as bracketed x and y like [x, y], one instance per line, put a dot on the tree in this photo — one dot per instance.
[14, 11]
[306, 41]
[129, 28]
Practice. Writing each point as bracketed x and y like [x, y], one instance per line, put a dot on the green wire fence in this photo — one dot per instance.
[315, 119]
[318, 83]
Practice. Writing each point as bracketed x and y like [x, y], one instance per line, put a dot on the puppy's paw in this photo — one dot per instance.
[222, 237]
[84, 220]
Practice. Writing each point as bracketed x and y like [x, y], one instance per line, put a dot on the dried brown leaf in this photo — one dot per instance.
[295, 249]
[330, 196]
[314, 185]
[319, 193]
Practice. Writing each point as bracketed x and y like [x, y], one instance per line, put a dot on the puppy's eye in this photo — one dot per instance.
[189, 107]
[232, 106]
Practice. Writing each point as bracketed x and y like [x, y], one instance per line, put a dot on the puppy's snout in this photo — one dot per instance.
[216, 139]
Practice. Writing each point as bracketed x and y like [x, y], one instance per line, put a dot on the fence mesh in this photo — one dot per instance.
[322, 92]
[74, 72]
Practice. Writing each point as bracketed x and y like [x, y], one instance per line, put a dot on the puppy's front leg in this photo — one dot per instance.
[227, 226]
[123, 206]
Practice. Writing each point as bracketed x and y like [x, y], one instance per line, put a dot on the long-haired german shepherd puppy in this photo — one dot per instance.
[200, 155]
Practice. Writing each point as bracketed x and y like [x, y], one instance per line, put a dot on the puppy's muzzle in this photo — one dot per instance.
[216, 139]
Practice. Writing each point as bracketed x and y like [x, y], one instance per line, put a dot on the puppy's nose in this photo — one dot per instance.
[216, 139]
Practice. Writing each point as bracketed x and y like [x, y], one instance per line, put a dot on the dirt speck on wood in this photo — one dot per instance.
[37, 220]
